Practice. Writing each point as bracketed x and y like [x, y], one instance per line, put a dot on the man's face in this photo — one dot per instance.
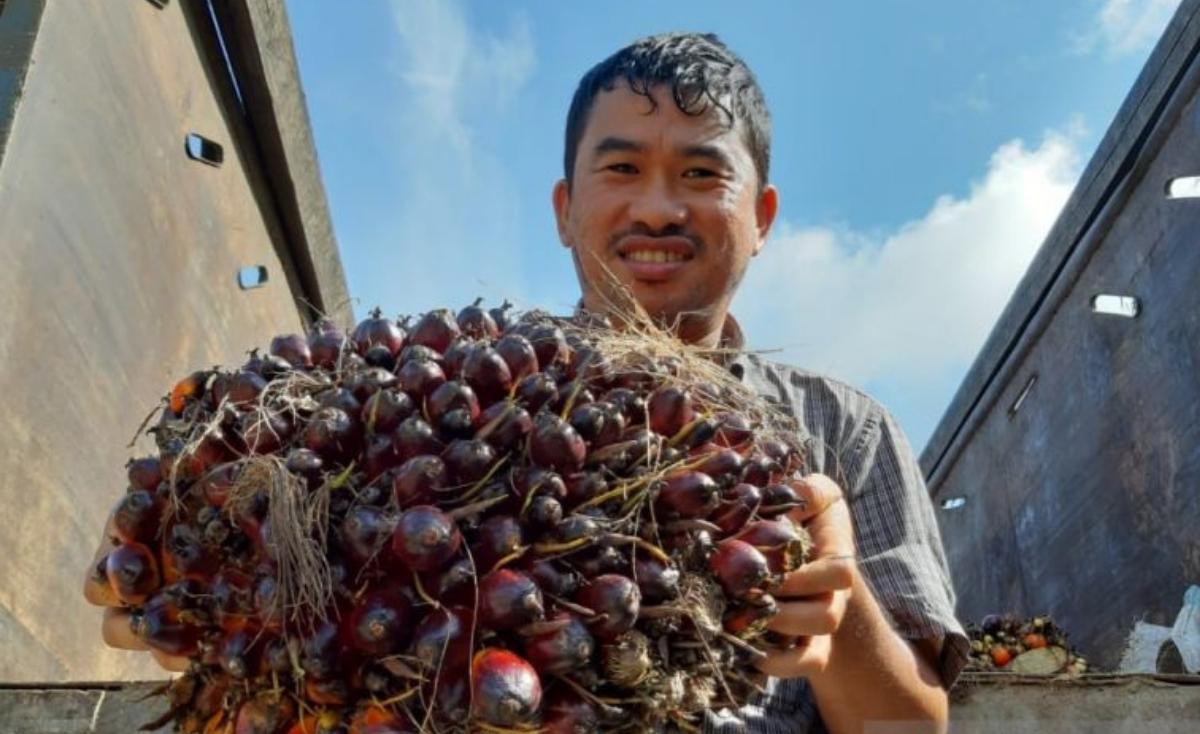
[666, 202]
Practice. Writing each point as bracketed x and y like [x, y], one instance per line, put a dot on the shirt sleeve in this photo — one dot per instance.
[899, 543]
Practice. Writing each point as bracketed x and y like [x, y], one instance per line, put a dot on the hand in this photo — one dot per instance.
[813, 598]
[115, 628]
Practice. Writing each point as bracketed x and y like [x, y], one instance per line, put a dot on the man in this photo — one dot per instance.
[666, 194]
[666, 191]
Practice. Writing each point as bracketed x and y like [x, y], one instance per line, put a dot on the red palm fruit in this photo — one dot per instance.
[375, 719]
[135, 518]
[739, 567]
[420, 377]
[518, 353]
[687, 494]
[333, 435]
[184, 550]
[670, 409]
[325, 722]
[242, 389]
[504, 425]
[267, 713]
[583, 486]
[187, 390]
[554, 444]
[734, 431]
[779, 541]
[322, 651]
[132, 572]
[549, 577]
[778, 499]
[343, 399]
[366, 381]
[326, 347]
[616, 601]
[468, 461]
[415, 437]
[786, 455]
[420, 353]
[536, 391]
[453, 395]
[498, 536]
[474, 321]
[738, 503]
[144, 473]
[750, 619]
[550, 344]
[365, 530]
[379, 624]
[380, 456]
[435, 330]
[456, 354]
[417, 480]
[563, 646]
[443, 638]
[569, 713]
[509, 599]
[293, 348]
[375, 330]
[383, 411]
[218, 482]
[263, 432]
[761, 470]
[487, 372]
[505, 688]
[159, 626]
[230, 592]
[657, 581]
[717, 461]
[425, 538]
[571, 393]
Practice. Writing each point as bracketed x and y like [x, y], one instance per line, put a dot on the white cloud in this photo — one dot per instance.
[455, 202]
[1125, 26]
[910, 309]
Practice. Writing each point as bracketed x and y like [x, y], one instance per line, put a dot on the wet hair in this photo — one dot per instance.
[699, 70]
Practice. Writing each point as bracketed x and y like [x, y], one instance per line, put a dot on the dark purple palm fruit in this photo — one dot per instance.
[487, 373]
[237, 653]
[670, 409]
[325, 341]
[160, 626]
[417, 481]
[739, 567]
[781, 543]
[583, 486]
[504, 425]
[738, 504]
[420, 377]
[383, 411]
[550, 577]
[537, 390]
[263, 432]
[500, 315]
[144, 473]
[294, 349]
[787, 456]
[443, 638]
[687, 495]
[425, 538]
[616, 601]
[509, 599]
[365, 530]
[505, 689]
[343, 399]
[365, 381]
[452, 406]
[497, 537]
[750, 618]
[569, 713]
[735, 431]
[518, 353]
[379, 624]
[436, 330]
[132, 572]
[468, 460]
[591, 420]
[560, 645]
[456, 584]
[218, 482]
[555, 444]
[721, 463]
[778, 499]
[543, 512]
[377, 331]
[657, 581]
[322, 651]
[333, 434]
[474, 321]
[761, 470]
[455, 356]
[303, 463]
[550, 344]
[631, 404]
[136, 517]
[415, 437]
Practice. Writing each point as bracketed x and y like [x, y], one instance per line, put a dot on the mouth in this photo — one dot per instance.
[655, 259]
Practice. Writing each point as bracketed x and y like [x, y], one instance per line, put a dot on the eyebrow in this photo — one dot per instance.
[613, 144]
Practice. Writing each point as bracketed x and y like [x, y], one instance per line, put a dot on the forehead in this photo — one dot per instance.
[624, 113]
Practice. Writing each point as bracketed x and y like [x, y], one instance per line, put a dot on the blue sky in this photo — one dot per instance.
[922, 151]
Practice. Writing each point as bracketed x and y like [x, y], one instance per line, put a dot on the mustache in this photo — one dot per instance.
[671, 230]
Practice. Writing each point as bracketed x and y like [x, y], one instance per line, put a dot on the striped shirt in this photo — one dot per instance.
[856, 442]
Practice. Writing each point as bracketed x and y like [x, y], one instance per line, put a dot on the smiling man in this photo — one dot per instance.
[666, 194]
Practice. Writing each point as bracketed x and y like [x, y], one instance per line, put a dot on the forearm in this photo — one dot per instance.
[875, 681]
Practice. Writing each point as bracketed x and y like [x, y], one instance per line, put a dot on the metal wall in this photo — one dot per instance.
[1075, 476]
[118, 262]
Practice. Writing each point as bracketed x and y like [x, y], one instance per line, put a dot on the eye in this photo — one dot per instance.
[699, 173]
[621, 168]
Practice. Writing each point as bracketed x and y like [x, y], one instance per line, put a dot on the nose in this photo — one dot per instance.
[657, 207]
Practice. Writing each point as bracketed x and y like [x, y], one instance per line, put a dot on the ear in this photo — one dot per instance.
[765, 210]
[561, 199]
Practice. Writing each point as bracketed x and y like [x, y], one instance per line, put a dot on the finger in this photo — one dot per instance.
[807, 657]
[117, 631]
[172, 663]
[819, 576]
[815, 492]
[819, 616]
[95, 585]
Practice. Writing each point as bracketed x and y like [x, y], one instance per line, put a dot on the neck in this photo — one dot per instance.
[705, 330]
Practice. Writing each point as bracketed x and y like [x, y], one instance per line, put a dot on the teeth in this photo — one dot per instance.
[655, 256]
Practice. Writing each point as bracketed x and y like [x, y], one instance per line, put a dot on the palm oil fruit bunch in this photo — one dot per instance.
[1035, 646]
[459, 523]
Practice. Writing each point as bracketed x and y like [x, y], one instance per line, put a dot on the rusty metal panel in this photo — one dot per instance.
[1080, 481]
[120, 257]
